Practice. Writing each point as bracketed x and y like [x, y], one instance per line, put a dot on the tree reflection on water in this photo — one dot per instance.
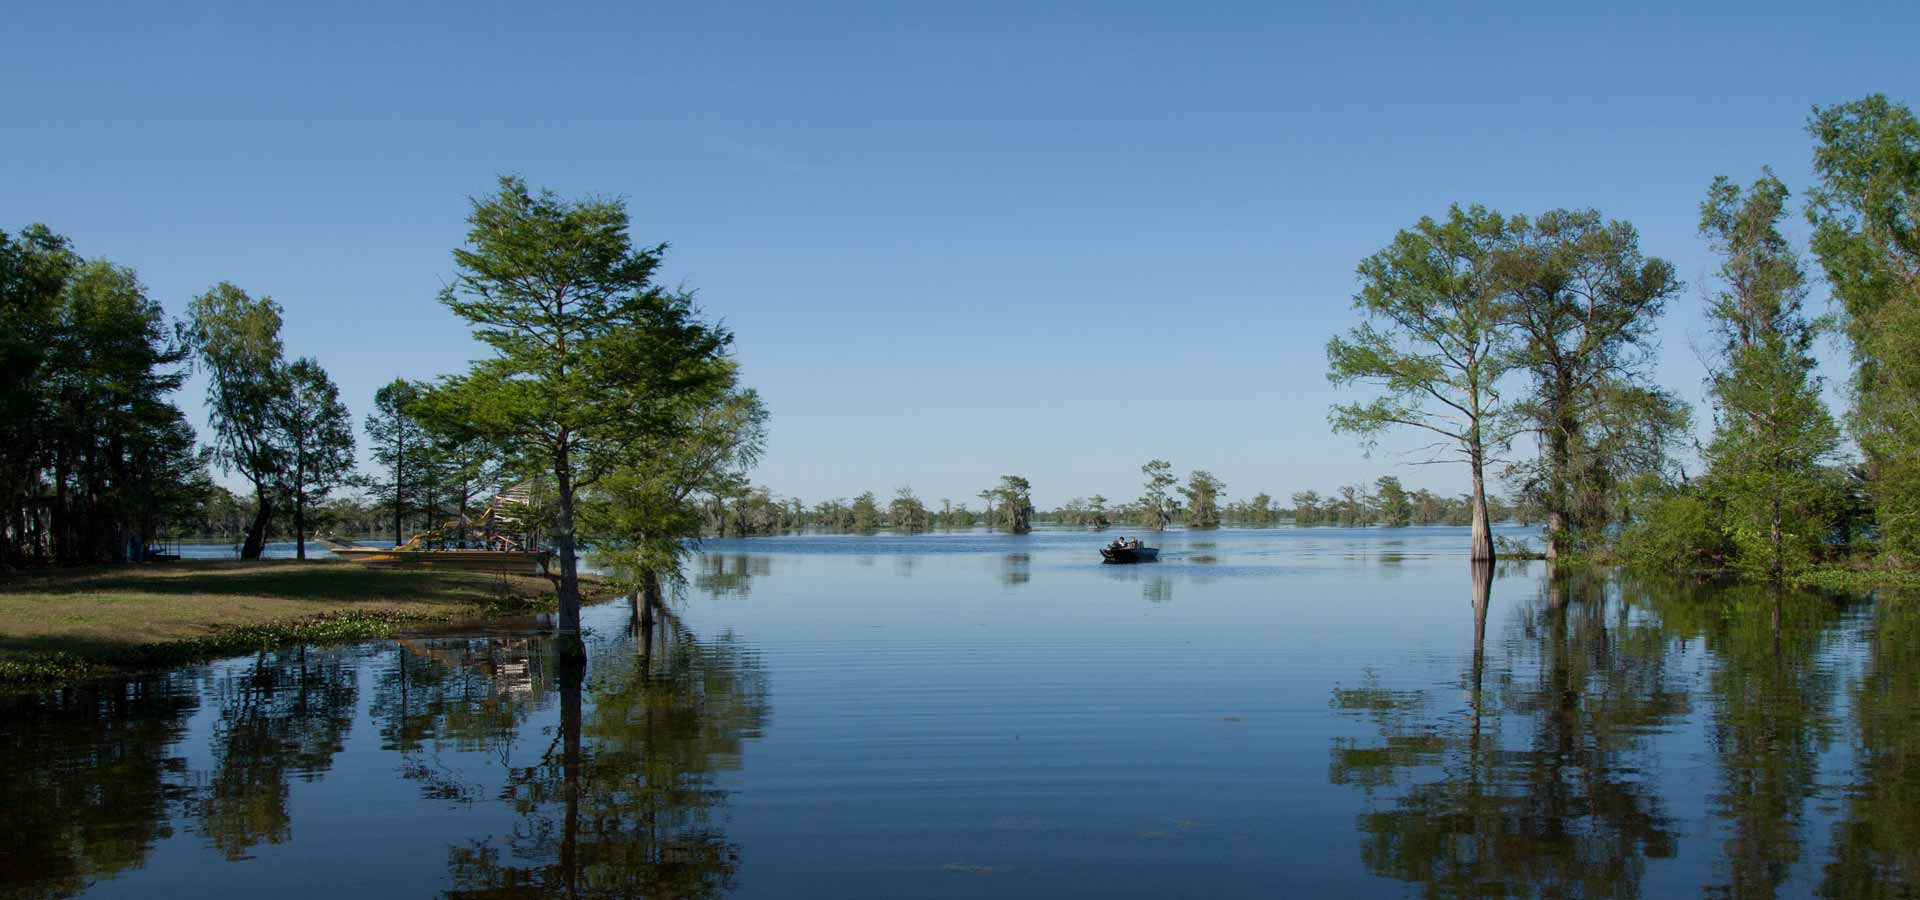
[90, 779]
[1575, 738]
[1537, 786]
[1547, 781]
[624, 802]
[1876, 850]
[285, 716]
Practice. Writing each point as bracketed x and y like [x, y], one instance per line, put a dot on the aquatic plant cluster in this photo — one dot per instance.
[58, 667]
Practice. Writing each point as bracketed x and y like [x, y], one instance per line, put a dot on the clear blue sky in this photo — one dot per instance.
[942, 233]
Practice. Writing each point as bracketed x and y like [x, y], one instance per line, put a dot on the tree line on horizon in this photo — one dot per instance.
[1164, 501]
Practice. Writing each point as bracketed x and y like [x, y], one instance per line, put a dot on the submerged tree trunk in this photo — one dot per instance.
[568, 583]
[1482, 528]
[1482, 598]
[652, 596]
[571, 676]
[1559, 467]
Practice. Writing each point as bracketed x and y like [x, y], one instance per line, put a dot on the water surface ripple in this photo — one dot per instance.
[1287, 712]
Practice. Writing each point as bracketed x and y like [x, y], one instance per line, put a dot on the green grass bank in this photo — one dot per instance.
[67, 624]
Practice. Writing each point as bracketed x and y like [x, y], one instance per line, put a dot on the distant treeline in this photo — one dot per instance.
[1198, 503]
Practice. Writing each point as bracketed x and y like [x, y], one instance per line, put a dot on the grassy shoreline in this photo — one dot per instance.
[63, 625]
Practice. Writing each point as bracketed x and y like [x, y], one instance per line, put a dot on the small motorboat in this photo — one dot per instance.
[1129, 554]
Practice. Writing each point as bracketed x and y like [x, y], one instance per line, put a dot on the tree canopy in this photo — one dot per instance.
[1433, 341]
[591, 359]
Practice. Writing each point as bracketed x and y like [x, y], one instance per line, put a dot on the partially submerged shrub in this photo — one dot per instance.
[1681, 534]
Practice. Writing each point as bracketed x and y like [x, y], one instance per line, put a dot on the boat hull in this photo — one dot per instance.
[1120, 555]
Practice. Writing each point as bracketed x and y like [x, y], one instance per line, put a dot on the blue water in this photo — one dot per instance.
[1286, 712]
[272, 550]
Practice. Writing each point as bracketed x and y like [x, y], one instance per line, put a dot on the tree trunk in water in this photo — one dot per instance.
[569, 582]
[1776, 571]
[571, 676]
[1482, 529]
[257, 532]
[1559, 465]
[1482, 598]
[651, 596]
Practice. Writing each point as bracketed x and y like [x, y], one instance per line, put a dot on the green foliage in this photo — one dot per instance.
[238, 342]
[400, 447]
[1354, 507]
[1203, 499]
[1257, 511]
[594, 367]
[1866, 216]
[644, 513]
[1396, 508]
[352, 626]
[1085, 512]
[866, 513]
[1156, 502]
[1773, 432]
[317, 433]
[1583, 303]
[1306, 508]
[1678, 532]
[94, 460]
[34, 269]
[907, 514]
[1433, 342]
[1015, 502]
[44, 669]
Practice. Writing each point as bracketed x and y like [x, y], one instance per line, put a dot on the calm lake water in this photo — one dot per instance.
[270, 550]
[1268, 713]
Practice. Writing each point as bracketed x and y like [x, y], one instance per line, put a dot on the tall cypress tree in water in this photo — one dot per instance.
[1773, 431]
[1434, 342]
[1584, 304]
[1016, 503]
[590, 357]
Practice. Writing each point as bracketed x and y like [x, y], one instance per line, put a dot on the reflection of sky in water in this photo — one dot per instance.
[1262, 713]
